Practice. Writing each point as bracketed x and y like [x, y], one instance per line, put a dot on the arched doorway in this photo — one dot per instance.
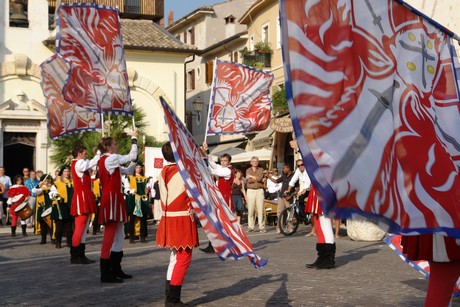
[18, 152]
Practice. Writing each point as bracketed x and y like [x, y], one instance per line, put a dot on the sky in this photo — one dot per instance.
[183, 7]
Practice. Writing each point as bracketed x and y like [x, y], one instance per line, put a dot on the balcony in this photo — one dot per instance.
[130, 9]
[257, 59]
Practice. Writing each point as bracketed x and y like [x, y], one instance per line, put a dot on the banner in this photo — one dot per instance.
[240, 99]
[89, 38]
[373, 95]
[219, 223]
[63, 117]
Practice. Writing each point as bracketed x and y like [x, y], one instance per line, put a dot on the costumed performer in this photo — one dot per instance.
[112, 211]
[177, 228]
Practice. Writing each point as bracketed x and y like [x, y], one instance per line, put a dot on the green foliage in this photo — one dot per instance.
[263, 47]
[280, 101]
[116, 125]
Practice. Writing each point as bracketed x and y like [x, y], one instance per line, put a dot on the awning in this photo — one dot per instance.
[262, 154]
[229, 148]
[263, 138]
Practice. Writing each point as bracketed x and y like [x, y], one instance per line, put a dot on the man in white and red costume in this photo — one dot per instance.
[83, 201]
[177, 228]
[112, 211]
[225, 175]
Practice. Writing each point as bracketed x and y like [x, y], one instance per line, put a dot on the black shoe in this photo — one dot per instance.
[115, 265]
[24, 230]
[13, 231]
[208, 250]
[314, 264]
[329, 258]
[321, 250]
[107, 275]
[75, 255]
[143, 240]
[173, 297]
[83, 258]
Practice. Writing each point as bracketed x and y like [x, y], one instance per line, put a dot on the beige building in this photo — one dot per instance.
[215, 31]
[155, 62]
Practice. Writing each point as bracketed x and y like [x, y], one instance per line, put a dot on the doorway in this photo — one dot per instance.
[18, 152]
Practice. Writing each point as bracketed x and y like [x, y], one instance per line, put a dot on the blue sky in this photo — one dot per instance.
[183, 7]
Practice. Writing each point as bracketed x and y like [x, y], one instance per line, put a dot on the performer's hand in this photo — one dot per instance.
[135, 133]
[294, 145]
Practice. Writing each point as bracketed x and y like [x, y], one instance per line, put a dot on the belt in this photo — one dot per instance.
[177, 213]
[254, 188]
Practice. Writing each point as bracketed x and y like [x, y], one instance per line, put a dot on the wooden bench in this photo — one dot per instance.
[270, 207]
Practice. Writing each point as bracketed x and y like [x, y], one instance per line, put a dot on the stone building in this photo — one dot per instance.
[155, 62]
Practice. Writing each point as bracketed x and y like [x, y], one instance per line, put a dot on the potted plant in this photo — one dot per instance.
[263, 47]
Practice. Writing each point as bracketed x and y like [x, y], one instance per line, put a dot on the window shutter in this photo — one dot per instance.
[209, 71]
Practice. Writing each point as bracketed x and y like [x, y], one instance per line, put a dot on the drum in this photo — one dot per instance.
[23, 211]
[46, 215]
[19, 199]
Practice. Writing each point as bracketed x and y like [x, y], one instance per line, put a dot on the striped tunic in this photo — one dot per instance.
[112, 205]
[83, 201]
[177, 227]
[313, 202]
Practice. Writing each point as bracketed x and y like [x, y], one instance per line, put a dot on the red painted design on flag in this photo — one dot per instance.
[158, 162]
[240, 99]
[376, 111]
[90, 39]
[63, 117]
[216, 218]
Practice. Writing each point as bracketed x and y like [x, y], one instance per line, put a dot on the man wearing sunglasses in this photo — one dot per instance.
[301, 176]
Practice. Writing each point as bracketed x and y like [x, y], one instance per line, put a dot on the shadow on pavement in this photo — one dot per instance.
[245, 285]
[356, 254]
[419, 283]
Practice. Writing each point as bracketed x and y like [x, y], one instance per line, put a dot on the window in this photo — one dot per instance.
[265, 34]
[191, 80]
[278, 34]
[190, 36]
[209, 72]
[18, 14]
[235, 56]
[251, 43]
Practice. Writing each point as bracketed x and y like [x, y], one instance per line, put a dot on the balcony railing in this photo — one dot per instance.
[257, 59]
[138, 9]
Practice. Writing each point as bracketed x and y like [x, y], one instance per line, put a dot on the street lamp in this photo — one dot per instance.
[198, 104]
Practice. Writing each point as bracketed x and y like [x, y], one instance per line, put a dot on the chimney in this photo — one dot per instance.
[170, 18]
[230, 26]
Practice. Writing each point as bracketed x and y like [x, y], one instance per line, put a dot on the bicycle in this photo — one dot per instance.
[291, 217]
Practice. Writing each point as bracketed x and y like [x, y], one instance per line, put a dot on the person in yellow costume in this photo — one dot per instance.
[62, 193]
[43, 224]
[137, 202]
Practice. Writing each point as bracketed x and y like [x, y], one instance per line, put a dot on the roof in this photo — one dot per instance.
[254, 10]
[221, 44]
[147, 35]
[190, 17]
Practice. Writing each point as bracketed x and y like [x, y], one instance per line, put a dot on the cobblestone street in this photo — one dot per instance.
[367, 274]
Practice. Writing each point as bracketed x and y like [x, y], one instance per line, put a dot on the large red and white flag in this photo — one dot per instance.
[240, 99]
[374, 98]
[216, 218]
[63, 117]
[89, 38]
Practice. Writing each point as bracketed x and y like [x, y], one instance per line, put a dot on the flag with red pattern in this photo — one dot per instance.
[89, 38]
[394, 242]
[374, 99]
[218, 221]
[240, 99]
[63, 117]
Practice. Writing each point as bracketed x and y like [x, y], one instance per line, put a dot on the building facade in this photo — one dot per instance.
[155, 62]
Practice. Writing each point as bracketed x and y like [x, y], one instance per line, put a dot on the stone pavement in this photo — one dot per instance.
[367, 274]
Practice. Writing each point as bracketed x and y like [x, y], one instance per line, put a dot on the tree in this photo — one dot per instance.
[280, 101]
[116, 124]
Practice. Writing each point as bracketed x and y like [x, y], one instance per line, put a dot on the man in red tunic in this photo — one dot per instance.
[83, 201]
[177, 228]
[112, 211]
[225, 175]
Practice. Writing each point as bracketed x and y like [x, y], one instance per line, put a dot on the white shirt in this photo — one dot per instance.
[82, 166]
[302, 177]
[273, 187]
[219, 170]
[6, 181]
[115, 160]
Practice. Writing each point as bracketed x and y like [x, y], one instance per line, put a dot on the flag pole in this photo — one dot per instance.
[430, 20]
[211, 96]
